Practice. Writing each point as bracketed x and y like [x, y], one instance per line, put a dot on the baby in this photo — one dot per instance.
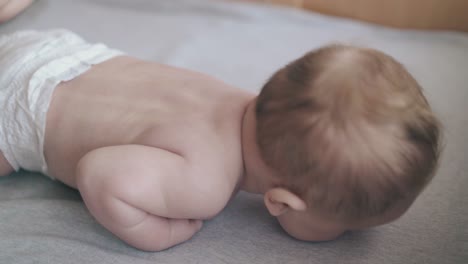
[340, 139]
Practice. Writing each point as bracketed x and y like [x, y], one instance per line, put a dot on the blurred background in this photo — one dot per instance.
[420, 14]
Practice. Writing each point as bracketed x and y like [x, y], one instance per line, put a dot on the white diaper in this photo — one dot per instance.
[32, 64]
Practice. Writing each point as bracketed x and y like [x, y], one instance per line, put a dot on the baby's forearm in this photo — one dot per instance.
[151, 232]
[134, 225]
[128, 197]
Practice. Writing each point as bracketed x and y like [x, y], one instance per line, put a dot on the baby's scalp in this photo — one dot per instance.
[348, 130]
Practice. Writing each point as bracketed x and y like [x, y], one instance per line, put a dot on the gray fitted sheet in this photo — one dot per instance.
[42, 221]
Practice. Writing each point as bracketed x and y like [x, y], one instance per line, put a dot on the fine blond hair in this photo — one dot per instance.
[349, 130]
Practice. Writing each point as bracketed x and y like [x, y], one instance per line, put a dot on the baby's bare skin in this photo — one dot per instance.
[147, 144]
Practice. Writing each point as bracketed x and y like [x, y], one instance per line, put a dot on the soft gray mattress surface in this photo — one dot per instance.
[42, 221]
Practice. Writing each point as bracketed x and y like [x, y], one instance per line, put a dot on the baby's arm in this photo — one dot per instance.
[132, 190]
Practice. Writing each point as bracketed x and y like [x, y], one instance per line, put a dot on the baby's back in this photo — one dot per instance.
[125, 101]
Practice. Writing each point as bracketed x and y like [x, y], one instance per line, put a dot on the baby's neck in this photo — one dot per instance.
[257, 176]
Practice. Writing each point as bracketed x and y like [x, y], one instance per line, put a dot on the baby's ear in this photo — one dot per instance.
[279, 200]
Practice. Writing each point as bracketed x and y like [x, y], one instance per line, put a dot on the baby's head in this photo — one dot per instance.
[348, 138]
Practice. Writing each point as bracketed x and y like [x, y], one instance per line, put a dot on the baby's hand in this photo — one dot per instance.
[182, 230]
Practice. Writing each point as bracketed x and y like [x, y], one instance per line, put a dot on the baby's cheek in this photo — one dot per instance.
[306, 230]
[295, 228]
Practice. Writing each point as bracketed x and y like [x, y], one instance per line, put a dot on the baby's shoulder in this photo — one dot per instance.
[217, 176]
[209, 176]
[210, 193]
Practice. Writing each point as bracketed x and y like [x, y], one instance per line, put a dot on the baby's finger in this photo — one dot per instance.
[196, 223]
[183, 229]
